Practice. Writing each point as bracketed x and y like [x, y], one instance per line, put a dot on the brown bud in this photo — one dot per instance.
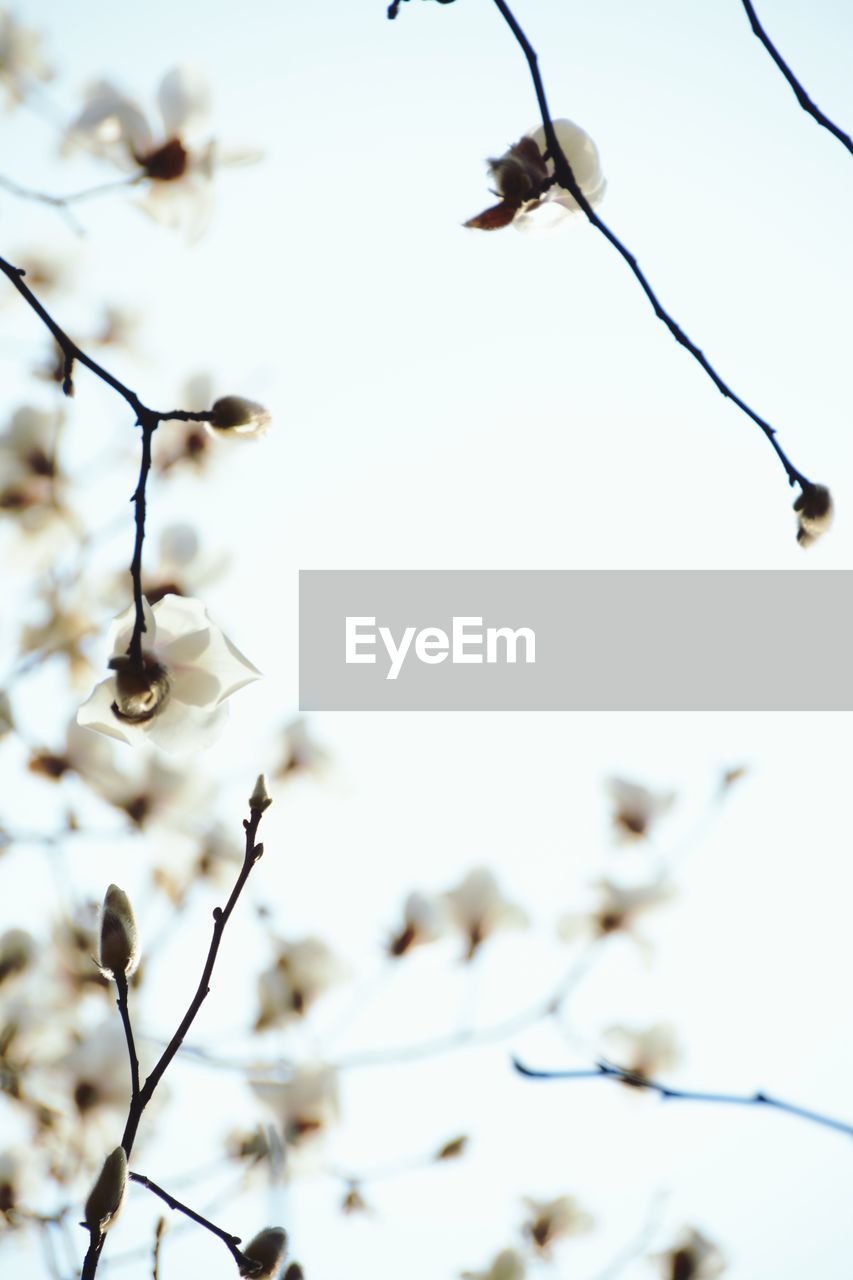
[106, 1196]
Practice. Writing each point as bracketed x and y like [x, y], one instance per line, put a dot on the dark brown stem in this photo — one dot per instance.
[124, 1013]
[246, 1265]
[802, 97]
[566, 179]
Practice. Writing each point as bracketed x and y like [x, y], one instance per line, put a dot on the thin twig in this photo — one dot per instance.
[566, 179]
[75, 197]
[609, 1071]
[121, 987]
[802, 97]
[159, 1232]
[246, 1265]
[140, 1097]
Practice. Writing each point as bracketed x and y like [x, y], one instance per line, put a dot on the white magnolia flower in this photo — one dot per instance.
[27, 462]
[647, 1052]
[177, 171]
[478, 908]
[582, 154]
[300, 751]
[550, 1220]
[21, 58]
[17, 952]
[508, 1265]
[305, 1105]
[636, 808]
[618, 910]
[424, 920]
[301, 973]
[175, 701]
[694, 1258]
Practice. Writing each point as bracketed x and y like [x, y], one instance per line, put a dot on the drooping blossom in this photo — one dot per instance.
[305, 1105]
[301, 972]
[618, 910]
[551, 1220]
[425, 919]
[507, 1265]
[176, 699]
[695, 1257]
[645, 1052]
[29, 475]
[478, 908]
[22, 62]
[300, 751]
[636, 808]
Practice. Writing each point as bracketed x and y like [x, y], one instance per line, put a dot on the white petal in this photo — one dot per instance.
[183, 98]
[96, 712]
[113, 117]
[196, 687]
[179, 616]
[180, 729]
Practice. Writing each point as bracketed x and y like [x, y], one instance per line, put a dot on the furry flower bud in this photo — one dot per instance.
[266, 1251]
[107, 1194]
[119, 950]
[260, 799]
[814, 513]
[234, 415]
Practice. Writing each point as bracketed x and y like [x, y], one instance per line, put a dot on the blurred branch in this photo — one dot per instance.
[146, 418]
[565, 178]
[64, 203]
[140, 1097]
[609, 1071]
[802, 97]
[246, 1265]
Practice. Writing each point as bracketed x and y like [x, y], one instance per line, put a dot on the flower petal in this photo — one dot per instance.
[96, 712]
[180, 729]
[195, 686]
[183, 99]
[179, 616]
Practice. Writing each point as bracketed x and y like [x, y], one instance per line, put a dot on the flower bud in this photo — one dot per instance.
[119, 940]
[107, 1194]
[814, 512]
[260, 799]
[235, 415]
[267, 1251]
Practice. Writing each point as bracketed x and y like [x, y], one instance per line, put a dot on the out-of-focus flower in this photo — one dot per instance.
[17, 951]
[695, 1258]
[646, 1053]
[354, 1201]
[301, 973]
[17, 1182]
[424, 921]
[814, 513]
[118, 327]
[119, 944]
[550, 1220]
[44, 272]
[105, 1198]
[305, 1105]
[266, 1251]
[21, 59]
[478, 908]
[177, 170]
[7, 720]
[507, 1265]
[300, 751]
[619, 909]
[236, 418]
[65, 626]
[175, 700]
[214, 857]
[524, 179]
[28, 470]
[187, 442]
[636, 808]
[94, 1071]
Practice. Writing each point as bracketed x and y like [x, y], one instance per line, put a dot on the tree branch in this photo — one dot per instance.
[802, 97]
[121, 986]
[609, 1071]
[246, 1265]
[566, 179]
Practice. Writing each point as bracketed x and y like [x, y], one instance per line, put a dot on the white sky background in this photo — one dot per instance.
[448, 399]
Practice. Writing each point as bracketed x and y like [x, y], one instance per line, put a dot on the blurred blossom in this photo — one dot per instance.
[214, 857]
[44, 272]
[305, 1105]
[95, 1072]
[84, 754]
[19, 1181]
[176, 701]
[66, 624]
[647, 1052]
[21, 59]
[29, 476]
[17, 950]
[636, 808]
[695, 1258]
[187, 442]
[7, 720]
[619, 909]
[176, 166]
[75, 945]
[478, 908]
[118, 328]
[814, 513]
[424, 920]
[508, 1265]
[300, 751]
[550, 1220]
[301, 973]
[183, 568]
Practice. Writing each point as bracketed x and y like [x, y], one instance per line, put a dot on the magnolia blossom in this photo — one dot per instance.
[550, 1220]
[175, 701]
[21, 58]
[28, 470]
[695, 1258]
[236, 418]
[618, 910]
[814, 513]
[17, 951]
[305, 1105]
[507, 1265]
[177, 170]
[424, 920]
[301, 973]
[94, 1070]
[636, 808]
[646, 1052]
[478, 908]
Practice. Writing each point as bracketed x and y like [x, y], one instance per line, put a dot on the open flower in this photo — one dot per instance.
[695, 1258]
[478, 908]
[305, 1105]
[618, 910]
[550, 1220]
[21, 58]
[175, 698]
[424, 920]
[300, 974]
[524, 179]
[646, 1053]
[636, 808]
